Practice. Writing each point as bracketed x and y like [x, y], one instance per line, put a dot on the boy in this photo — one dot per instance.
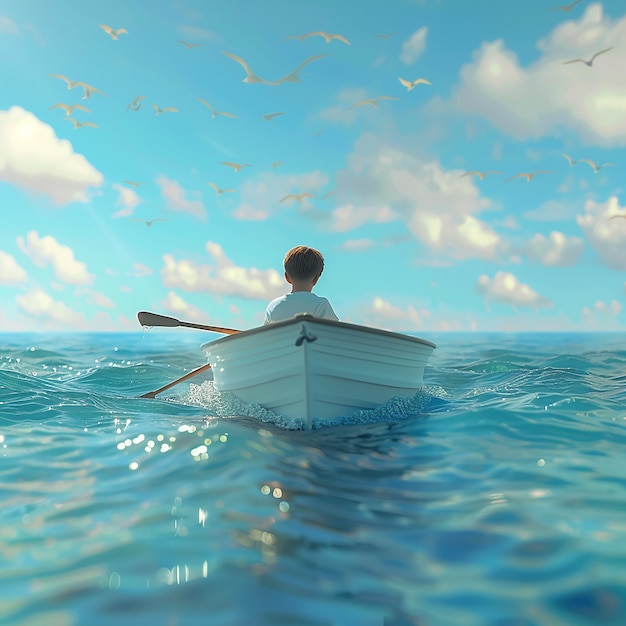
[303, 267]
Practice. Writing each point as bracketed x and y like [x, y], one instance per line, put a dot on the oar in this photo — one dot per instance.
[154, 319]
[199, 370]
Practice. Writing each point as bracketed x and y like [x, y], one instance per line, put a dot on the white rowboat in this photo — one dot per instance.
[313, 369]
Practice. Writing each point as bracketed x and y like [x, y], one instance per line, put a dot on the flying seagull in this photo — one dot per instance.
[215, 113]
[299, 196]
[69, 108]
[591, 60]
[133, 183]
[596, 167]
[236, 166]
[219, 191]
[78, 124]
[616, 216]
[528, 175]
[567, 8]
[480, 175]
[159, 110]
[251, 77]
[270, 116]
[135, 105]
[277, 163]
[189, 45]
[113, 33]
[411, 84]
[328, 194]
[87, 89]
[327, 36]
[149, 223]
[371, 101]
[570, 160]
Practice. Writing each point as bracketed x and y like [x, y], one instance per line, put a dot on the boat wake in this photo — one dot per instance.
[225, 404]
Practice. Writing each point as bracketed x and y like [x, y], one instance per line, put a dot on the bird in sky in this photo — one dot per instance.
[135, 105]
[616, 216]
[166, 109]
[190, 45]
[219, 191]
[528, 175]
[411, 84]
[69, 108]
[215, 113]
[270, 116]
[328, 194]
[78, 124]
[149, 223]
[133, 183]
[277, 163]
[480, 175]
[591, 60]
[87, 89]
[596, 167]
[236, 166]
[327, 36]
[567, 8]
[251, 77]
[114, 33]
[371, 101]
[298, 196]
[385, 35]
[571, 161]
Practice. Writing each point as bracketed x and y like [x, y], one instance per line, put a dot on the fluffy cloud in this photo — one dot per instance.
[173, 303]
[127, 199]
[222, 277]
[38, 303]
[44, 251]
[602, 316]
[438, 206]
[382, 314]
[176, 200]
[32, 157]
[534, 101]
[414, 46]
[557, 250]
[505, 288]
[261, 197]
[607, 236]
[11, 273]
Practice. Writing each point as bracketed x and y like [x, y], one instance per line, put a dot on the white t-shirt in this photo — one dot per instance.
[291, 304]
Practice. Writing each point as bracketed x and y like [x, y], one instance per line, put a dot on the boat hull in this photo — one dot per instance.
[308, 368]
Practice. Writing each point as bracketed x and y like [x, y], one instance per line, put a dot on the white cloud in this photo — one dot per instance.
[8, 25]
[11, 273]
[557, 250]
[32, 157]
[606, 236]
[260, 197]
[382, 314]
[505, 288]
[535, 101]
[97, 298]
[414, 46]
[140, 270]
[44, 251]
[38, 303]
[438, 206]
[357, 245]
[127, 199]
[222, 277]
[173, 303]
[602, 316]
[175, 198]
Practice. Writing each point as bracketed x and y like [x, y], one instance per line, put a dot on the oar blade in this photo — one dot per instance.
[152, 319]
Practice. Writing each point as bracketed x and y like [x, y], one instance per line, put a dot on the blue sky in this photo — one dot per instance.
[411, 241]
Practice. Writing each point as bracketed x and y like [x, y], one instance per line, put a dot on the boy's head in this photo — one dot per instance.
[302, 263]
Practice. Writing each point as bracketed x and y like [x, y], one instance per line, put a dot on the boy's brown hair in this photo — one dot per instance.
[302, 263]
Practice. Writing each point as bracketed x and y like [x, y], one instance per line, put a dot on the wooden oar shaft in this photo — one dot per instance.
[199, 370]
[146, 318]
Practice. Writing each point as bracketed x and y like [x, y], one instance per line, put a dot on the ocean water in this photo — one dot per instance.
[495, 497]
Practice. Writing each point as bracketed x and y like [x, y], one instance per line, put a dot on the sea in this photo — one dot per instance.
[496, 496]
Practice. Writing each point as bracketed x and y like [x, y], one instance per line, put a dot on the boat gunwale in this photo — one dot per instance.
[306, 317]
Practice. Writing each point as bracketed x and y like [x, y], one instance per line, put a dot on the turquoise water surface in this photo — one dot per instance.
[495, 497]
